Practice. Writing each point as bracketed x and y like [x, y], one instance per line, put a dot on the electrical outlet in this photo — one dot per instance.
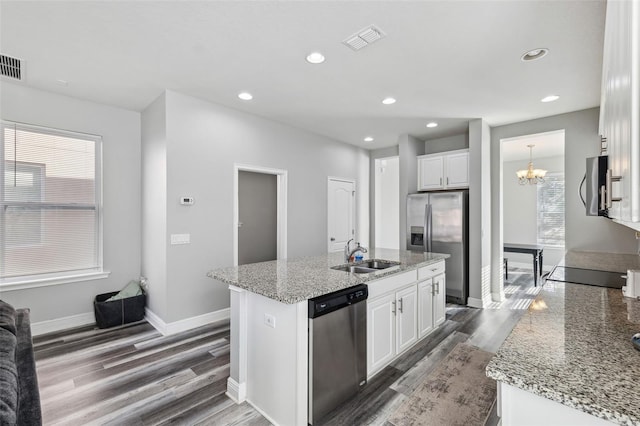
[270, 320]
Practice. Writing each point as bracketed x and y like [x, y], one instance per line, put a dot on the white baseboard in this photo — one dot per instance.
[477, 303]
[185, 324]
[44, 327]
[236, 391]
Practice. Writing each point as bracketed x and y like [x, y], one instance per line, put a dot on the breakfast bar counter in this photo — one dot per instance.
[573, 347]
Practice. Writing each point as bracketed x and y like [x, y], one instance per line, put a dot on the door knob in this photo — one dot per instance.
[332, 239]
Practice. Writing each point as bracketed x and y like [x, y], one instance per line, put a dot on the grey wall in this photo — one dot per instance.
[408, 149]
[450, 143]
[375, 154]
[258, 213]
[204, 141]
[581, 141]
[120, 131]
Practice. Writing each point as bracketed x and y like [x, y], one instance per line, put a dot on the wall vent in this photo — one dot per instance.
[11, 67]
[363, 38]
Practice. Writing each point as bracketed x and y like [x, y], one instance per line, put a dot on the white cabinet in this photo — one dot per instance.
[402, 310]
[425, 301]
[381, 332]
[406, 318]
[620, 107]
[391, 326]
[430, 172]
[439, 299]
[431, 301]
[448, 170]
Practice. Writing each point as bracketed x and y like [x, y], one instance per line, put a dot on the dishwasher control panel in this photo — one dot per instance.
[328, 303]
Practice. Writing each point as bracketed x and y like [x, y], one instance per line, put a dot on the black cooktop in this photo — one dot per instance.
[588, 277]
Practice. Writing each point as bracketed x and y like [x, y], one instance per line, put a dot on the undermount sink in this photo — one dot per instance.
[366, 267]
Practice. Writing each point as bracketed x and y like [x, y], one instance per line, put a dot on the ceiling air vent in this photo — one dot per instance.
[363, 37]
[11, 67]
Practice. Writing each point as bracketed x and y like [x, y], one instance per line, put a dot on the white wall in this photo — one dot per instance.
[204, 140]
[480, 280]
[387, 202]
[374, 155]
[581, 141]
[154, 204]
[120, 131]
[520, 210]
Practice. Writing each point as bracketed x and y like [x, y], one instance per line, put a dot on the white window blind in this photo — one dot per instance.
[49, 202]
[551, 211]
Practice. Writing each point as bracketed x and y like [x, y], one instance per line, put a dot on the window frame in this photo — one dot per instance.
[64, 277]
[552, 175]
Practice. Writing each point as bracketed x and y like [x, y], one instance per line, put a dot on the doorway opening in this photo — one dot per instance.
[387, 203]
[260, 214]
[534, 213]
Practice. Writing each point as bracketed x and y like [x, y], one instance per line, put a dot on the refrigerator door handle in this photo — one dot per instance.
[427, 228]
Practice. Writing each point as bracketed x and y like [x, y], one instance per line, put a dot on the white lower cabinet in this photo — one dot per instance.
[401, 311]
[391, 326]
[431, 302]
[406, 318]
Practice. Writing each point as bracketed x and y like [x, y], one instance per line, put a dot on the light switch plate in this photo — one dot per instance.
[180, 239]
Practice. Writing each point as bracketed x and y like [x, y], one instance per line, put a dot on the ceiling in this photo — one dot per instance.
[444, 61]
[550, 144]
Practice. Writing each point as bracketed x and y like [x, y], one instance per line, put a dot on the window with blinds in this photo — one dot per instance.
[551, 211]
[49, 202]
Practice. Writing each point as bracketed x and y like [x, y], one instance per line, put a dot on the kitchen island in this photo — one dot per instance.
[269, 324]
[570, 361]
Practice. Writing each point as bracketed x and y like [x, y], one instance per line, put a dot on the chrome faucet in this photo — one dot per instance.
[348, 253]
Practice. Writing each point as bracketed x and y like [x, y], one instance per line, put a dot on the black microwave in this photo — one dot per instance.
[596, 181]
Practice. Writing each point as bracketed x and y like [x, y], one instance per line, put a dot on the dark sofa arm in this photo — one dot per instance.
[29, 411]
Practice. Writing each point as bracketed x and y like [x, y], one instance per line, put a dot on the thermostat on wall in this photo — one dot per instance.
[187, 201]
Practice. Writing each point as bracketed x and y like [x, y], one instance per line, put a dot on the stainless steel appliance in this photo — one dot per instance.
[596, 181]
[337, 349]
[439, 222]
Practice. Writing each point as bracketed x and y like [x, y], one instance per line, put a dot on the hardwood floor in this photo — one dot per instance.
[132, 375]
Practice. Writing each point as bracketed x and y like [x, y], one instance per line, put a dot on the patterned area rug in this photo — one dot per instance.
[457, 392]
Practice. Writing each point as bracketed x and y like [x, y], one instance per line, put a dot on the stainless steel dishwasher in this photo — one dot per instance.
[337, 349]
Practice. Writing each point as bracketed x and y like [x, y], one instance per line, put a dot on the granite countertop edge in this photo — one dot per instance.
[493, 371]
[512, 366]
[340, 280]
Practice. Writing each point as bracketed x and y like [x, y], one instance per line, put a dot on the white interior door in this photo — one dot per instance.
[341, 213]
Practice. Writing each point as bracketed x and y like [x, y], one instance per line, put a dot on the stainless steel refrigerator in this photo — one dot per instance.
[439, 222]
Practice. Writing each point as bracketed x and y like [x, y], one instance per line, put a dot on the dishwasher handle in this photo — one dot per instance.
[331, 302]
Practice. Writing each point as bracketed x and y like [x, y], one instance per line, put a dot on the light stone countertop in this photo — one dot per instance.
[295, 280]
[577, 349]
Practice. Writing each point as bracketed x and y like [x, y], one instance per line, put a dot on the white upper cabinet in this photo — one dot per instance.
[446, 170]
[620, 109]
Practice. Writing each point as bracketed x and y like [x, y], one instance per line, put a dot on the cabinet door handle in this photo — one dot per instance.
[433, 289]
[440, 181]
[401, 304]
[447, 180]
[437, 287]
[610, 179]
[393, 310]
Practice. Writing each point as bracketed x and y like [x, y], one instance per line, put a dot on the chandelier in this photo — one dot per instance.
[530, 175]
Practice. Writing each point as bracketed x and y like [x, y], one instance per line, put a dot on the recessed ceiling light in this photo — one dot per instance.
[315, 58]
[245, 96]
[432, 124]
[534, 54]
[388, 101]
[368, 139]
[550, 98]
